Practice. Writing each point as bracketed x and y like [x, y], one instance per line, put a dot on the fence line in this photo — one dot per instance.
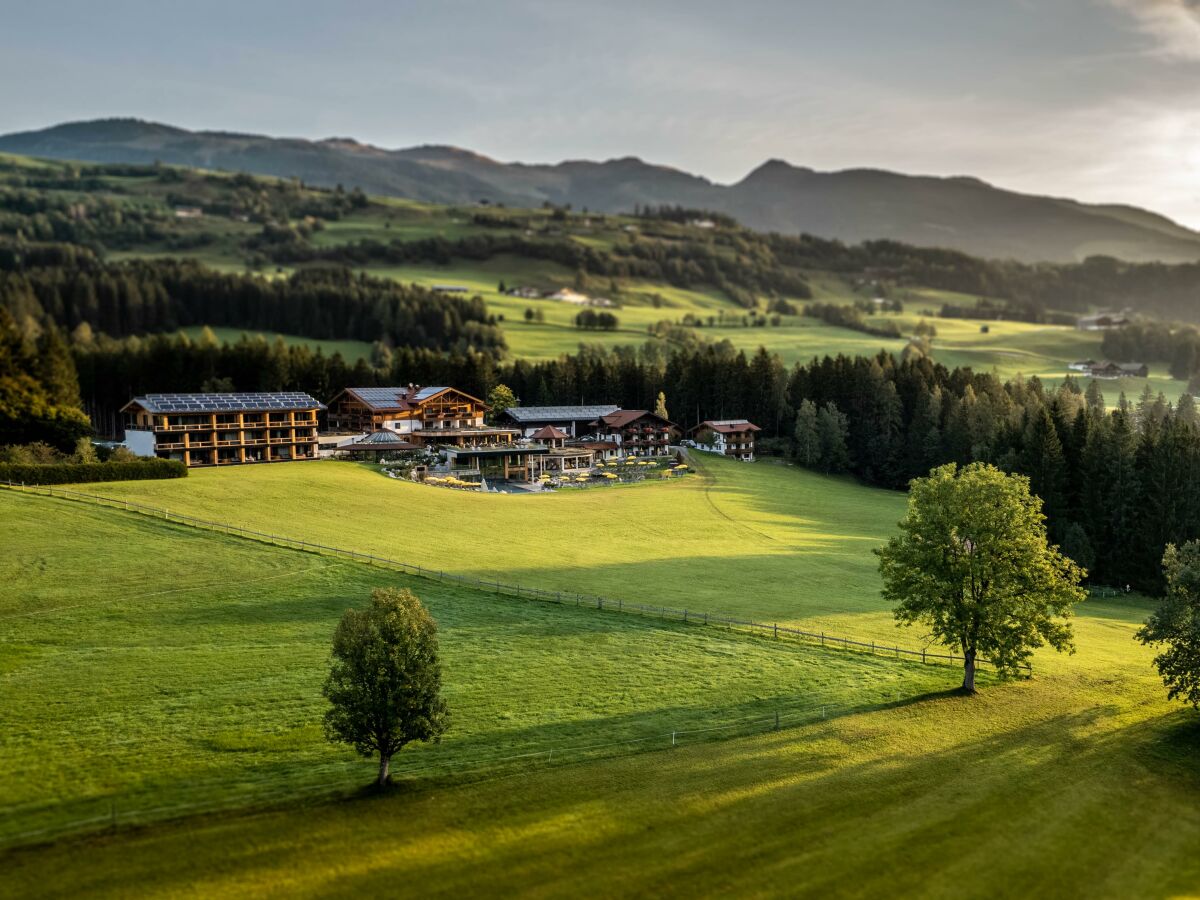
[113, 815]
[685, 615]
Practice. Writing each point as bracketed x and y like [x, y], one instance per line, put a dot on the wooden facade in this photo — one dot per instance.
[224, 429]
[424, 415]
[637, 432]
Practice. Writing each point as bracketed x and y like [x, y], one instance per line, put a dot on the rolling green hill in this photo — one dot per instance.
[931, 794]
[853, 205]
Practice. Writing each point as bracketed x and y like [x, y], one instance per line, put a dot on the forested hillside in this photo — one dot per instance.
[853, 205]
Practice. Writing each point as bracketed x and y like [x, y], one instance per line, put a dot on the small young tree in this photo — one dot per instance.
[807, 436]
[500, 399]
[385, 680]
[1176, 624]
[972, 563]
[660, 406]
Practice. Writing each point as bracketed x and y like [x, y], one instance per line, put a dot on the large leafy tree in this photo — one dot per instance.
[1175, 625]
[971, 562]
[385, 680]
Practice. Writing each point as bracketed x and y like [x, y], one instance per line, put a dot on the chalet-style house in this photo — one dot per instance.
[428, 416]
[1110, 370]
[732, 437]
[576, 421]
[636, 431]
[223, 429]
[1102, 321]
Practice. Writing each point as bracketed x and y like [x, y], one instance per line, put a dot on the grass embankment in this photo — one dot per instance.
[146, 666]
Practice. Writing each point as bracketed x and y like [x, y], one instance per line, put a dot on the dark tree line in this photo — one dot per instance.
[141, 297]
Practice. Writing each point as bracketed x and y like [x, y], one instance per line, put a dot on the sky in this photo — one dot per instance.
[1093, 99]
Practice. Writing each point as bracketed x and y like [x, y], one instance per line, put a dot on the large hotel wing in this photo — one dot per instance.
[223, 429]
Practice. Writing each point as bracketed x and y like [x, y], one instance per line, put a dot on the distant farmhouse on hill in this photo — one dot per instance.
[1103, 321]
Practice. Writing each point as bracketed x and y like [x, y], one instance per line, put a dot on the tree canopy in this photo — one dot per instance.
[972, 563]
[385, 679]
[1175, 625]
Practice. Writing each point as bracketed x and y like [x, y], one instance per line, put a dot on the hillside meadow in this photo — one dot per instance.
[927, 793]
[151, 670]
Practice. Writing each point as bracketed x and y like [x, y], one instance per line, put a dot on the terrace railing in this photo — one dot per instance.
[686, 615]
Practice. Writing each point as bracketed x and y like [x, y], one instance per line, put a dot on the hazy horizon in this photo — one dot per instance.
[1097, 100]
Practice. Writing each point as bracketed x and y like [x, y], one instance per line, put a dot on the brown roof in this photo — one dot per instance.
[728, 426]
[549, 433]
[623, 417]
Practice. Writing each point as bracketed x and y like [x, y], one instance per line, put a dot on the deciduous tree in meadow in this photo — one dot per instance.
[385, 679]
[972, 563]
[1175, 625]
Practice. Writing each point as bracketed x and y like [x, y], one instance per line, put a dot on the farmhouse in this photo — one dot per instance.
[1110, 370]
[425, 415]
[223, 429]
[576, 421]
[732, 437]
[636, 431]
[1102, 322]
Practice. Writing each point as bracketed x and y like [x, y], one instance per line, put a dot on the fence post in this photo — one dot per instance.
[776, 635]
[922, 654]
[685, 615]
[672, 739]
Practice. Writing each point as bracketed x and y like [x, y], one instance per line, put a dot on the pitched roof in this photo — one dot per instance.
[403, 397]
[728, 426]
[521, 414]
[225, 402]
[550, 433]
[623, 417]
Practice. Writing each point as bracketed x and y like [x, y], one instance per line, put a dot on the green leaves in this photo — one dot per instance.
[385, 678]
[1175, 625]
[972, 563]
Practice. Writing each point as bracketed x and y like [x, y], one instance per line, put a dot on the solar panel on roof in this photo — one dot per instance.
[237, 401]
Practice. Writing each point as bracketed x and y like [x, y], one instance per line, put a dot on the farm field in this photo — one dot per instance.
[352, 351]
[912, 797]
[188, 676]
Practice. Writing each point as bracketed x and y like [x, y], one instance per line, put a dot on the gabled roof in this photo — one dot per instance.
[550, 433]
[224, 402]
[522, 414]
[728, 426]
[400, 398]
[623, 417]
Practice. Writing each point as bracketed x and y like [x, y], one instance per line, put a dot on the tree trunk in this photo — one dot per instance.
[968, 684]
[385, 761]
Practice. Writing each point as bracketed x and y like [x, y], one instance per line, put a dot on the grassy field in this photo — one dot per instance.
[1081, 782]
[188, 674]
[352, 351]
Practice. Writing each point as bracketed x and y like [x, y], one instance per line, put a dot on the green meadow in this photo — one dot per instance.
[1083, 781]
[186, 677]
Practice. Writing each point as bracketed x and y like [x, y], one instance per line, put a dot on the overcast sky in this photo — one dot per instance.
[1093, 99]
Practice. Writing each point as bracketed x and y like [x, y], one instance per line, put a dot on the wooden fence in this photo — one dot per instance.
[689, 616]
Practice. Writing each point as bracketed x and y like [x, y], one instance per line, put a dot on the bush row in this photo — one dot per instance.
[72, 473]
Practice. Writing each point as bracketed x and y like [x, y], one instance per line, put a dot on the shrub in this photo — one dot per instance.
[73, 473]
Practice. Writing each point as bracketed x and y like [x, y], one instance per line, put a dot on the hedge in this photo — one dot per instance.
[73, 473]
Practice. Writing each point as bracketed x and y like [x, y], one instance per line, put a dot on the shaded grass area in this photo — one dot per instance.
[1031, 789]
[151, 669]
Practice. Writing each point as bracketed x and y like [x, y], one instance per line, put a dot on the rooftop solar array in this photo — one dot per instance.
[558, 413]
[235, 402]
[381, 397]
[426, 392]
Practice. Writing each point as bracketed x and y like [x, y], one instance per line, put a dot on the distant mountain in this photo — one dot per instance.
[853, 205]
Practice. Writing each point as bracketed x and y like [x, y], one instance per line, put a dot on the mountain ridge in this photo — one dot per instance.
[960, 212]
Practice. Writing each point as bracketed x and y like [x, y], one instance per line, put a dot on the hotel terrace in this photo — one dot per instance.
[223, 429]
